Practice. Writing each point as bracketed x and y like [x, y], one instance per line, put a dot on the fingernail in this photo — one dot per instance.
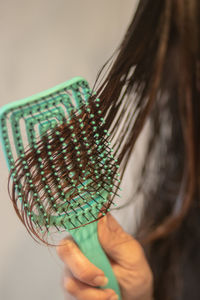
[114, 297]
[100, 280]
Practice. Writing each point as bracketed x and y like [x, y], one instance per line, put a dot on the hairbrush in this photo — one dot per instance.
[63, 175]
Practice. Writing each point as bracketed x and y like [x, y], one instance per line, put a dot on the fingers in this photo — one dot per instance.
[86, 275]
[85, 292]
[79, 265]
[119, 245]
[127, 258]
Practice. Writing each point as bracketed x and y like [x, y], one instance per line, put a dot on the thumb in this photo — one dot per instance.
[119, 245]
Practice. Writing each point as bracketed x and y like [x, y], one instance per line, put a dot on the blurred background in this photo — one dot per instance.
[43, 43]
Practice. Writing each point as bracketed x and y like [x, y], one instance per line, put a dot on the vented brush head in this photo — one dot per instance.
[62, 170]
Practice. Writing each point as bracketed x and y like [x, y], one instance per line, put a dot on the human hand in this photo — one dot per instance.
[127, 260]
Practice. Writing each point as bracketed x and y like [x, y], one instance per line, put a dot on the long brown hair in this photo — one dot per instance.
[156, 77]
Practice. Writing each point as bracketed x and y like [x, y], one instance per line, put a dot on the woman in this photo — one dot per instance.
[156, 78]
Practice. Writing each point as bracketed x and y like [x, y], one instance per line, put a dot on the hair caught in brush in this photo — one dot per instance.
[59, 165]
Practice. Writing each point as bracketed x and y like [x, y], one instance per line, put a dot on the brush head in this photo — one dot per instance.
[62, 170]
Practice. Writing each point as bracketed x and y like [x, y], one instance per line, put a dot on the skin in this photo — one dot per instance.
[127, 259]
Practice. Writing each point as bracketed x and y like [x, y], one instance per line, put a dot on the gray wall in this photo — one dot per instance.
[43, 43]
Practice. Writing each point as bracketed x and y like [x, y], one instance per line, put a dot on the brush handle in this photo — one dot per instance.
[87, 239]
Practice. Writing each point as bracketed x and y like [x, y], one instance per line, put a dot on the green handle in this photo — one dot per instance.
[87, 239]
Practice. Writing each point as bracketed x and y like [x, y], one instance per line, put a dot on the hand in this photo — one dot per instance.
[127, 259]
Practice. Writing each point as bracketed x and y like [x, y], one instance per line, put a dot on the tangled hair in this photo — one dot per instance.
[66, 167]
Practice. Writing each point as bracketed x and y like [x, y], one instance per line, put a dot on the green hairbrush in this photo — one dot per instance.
[63, 175]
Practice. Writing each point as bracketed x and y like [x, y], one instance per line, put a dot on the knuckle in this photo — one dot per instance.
[65, 247]
[69, 286]
[84, 275]
[139, 281]
[146, 284]
[145, 279]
